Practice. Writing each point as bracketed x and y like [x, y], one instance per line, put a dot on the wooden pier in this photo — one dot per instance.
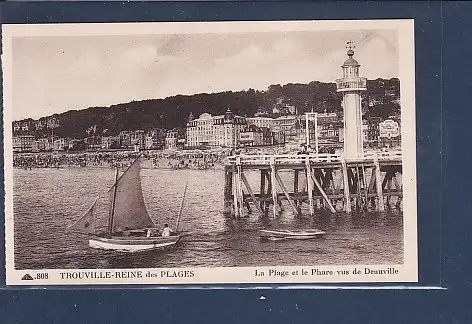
[371, 181]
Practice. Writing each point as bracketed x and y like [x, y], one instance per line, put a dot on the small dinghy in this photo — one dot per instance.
[275, 235]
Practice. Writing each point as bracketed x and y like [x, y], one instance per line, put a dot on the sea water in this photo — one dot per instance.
[46, 201]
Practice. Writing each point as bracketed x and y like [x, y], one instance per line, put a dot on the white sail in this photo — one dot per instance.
[94, 220]
[129, 211]
[86, 223]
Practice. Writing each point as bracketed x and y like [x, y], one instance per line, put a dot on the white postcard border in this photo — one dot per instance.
[406, 272]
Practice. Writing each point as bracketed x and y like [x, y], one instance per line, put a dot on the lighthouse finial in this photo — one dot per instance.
[350, 46]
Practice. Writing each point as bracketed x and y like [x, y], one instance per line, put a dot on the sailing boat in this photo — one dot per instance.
[128, 228]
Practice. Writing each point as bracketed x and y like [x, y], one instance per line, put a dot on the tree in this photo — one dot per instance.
[173, 112]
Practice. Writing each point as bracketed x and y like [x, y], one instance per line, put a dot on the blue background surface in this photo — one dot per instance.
[443, 84]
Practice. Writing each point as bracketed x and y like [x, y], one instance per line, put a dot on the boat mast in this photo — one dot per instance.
[112, 210]
[181, 207]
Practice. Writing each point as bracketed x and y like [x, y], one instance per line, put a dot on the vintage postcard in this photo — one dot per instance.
[210, 153]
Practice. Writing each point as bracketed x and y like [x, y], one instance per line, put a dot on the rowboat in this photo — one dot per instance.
[275, 235]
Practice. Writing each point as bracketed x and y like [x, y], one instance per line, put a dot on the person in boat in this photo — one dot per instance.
[151, 232]
[167, 231]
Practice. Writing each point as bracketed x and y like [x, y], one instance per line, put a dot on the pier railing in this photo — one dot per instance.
[313, 158]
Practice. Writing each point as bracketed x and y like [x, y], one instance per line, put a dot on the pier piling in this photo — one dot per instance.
[273, 186]
[378, 182]
[346, 186]
[329, 178]
[309, 185]
[228, 185]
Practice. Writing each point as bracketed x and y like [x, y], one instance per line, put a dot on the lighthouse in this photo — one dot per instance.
[351, 85]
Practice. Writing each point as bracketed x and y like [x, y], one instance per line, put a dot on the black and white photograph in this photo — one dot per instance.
[210, 152]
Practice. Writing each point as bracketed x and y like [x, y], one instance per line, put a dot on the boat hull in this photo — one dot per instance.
[133, 244]
[276, 235]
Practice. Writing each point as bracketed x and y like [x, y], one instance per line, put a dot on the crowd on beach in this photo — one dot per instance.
[175, 159]
[156, 159]
[188, 160]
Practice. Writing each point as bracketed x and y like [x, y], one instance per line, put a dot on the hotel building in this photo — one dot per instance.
[207, 130]
[23, 143]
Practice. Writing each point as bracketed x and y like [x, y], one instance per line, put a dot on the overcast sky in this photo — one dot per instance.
[56, 73]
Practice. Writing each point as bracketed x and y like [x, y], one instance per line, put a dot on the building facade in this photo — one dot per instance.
[155, 139]
[93, 142]
[110, 142]
[284, 128]
[171, 139]
[292, 128]
[42, 144]
[223, 130]
[390, 133]
[371, 132]
[61, 144]
[132, 139]
[252, 135]
[23, 143]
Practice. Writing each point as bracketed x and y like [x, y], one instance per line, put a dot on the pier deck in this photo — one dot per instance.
[371, 180]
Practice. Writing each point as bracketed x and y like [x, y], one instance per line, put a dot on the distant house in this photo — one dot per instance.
[371, 131]
[61, 144]
[93, 142]
[392, 93]
[23, 126]
[130, 139]
[155, 139]
[77, 145]
[278, 137]
[294, 129]
[252, 135]
[110, 142]
[41, 145]
[174, 139]
[390, 133]
[149, 142]
[171, 140]
[16, 127]
[23, 143]
[329, 125]
[26, 126]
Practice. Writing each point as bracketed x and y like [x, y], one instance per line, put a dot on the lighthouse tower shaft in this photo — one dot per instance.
[351, 86]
